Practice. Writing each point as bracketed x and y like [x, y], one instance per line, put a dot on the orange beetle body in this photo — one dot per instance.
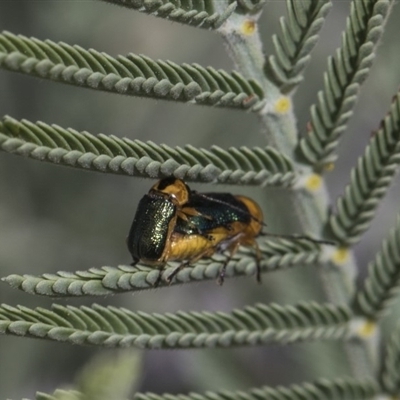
[174, 223]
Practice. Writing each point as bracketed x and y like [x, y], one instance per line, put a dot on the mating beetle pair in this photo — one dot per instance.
[175, 223]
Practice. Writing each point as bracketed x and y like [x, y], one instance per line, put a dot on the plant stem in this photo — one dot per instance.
[311, 205]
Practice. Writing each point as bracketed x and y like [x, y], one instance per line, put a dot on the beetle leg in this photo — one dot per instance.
[221, 276]
[191, 212]
[183, 215]
[206, 253]
[176, 270]
[187, 212]
[258, 261]
[258, 258]
[222, 271]
[159, 277]
[134, 262]
[233, 249]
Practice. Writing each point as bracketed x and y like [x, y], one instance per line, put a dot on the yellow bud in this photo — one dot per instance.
[341, 255]
[313, 182]
[248, 27]
[283, 105]
[367, 329]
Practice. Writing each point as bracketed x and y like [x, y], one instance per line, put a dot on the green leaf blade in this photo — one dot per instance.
[195, 13]
[135, 75]
[370, 180]
[299, 35]
[109, 154]
[348, 69]
[107, 327]
[382, 284]
[276, 254]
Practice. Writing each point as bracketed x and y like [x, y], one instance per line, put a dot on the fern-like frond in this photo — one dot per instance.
[336, 389]
[343, 79]
[197, 13]
[276, 254]
[119, 327]
[390, 377]
[299, 35]
[370, 180]
[110, 154]
[383, 281]
[135, 75]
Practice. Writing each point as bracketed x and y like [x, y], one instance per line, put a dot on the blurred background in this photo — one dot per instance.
[55, 218]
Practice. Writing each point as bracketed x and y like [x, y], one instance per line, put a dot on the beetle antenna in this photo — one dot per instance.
[329, 242]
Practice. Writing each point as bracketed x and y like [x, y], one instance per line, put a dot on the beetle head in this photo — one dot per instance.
[175, 189]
